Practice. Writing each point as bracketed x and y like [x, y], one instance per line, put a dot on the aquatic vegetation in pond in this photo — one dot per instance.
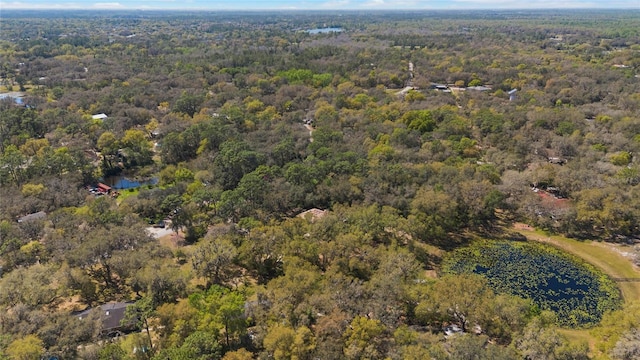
[578, 292]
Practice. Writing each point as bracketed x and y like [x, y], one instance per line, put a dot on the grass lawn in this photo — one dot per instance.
[125, 193]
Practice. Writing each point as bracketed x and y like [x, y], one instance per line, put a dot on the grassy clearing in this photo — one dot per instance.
[127, 193]
[584, 336]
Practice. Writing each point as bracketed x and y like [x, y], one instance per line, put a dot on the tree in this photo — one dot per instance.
[12, 164]
[460, 299]
[540, 340]
[279, 341]
[365, 339]
[433, 215]
[33, 286]
[109, 256]
[108, 146]
[240, 354]
[234, 161]
[161, 280]
[137, 150]
[223, 309]
[628, 347]
[284, 343]
[188, 103]
[420, 120]
[398, 269]
[213, 259]
[112, 351]
[27, 348]
[467, 346]
[176, 322]
[139, 314]
[202, 345]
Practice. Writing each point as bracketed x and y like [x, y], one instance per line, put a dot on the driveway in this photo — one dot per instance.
[159, 232]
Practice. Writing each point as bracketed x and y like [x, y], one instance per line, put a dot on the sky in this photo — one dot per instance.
[314, 4]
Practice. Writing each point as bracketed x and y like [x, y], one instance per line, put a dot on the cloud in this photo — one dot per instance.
[531, 4]
[111, 5]
[23, 5]
[334, 4]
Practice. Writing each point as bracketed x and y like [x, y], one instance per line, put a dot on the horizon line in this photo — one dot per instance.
[319, 9]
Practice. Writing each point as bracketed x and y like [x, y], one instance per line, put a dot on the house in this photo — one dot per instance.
[439, 87]
[35, 216]
[100, 116]
[512, 94]
[313, 214]
[557, 160]
[479, 88]
[111, 316]
[105, 189]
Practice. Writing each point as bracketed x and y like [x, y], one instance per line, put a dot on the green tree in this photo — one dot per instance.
[284, 343]
[460, 299]
[279, 341]
[433, 215]
[29, 347]
[240, 354]
[140, 313]
[188, 103]
[108, 146]
[469, 346]
[202, 345]
[234, 161]
[161, 279]
[365, 339]
[223, 309]
[33, 286]
[137, 149]
[213, 259]
[12, 165]
[112, 351]
[420, 120]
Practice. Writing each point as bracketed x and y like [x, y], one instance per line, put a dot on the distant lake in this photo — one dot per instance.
[324, 30]
[121, 183]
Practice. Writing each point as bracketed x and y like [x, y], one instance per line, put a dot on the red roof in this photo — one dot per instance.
[104, 187]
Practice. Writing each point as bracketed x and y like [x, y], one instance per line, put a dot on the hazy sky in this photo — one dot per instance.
[315, 4]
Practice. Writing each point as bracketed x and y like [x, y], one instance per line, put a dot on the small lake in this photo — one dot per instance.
[15, 95]
[324, 30]
[121, 182]
[554, 280]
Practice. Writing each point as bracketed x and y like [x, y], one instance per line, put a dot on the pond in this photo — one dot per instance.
[121, 182]
[15, 95]
[576, 291]
[324, 30]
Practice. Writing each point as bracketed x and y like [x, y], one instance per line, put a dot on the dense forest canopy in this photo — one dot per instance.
[303, 187]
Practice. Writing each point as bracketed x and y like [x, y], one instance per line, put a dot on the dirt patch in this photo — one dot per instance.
[172, 240]
[523, 226]
[159, 232]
